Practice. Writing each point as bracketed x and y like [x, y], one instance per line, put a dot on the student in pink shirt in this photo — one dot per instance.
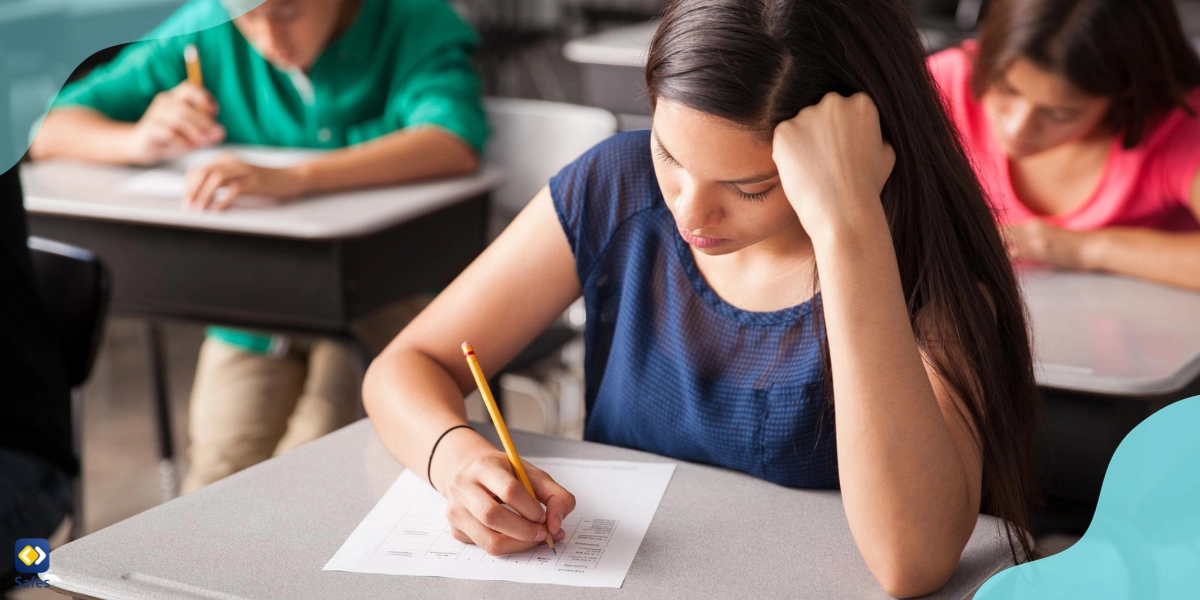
[1080, 118]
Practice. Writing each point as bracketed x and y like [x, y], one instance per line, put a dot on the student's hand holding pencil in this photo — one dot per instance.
[478, 493]
[178, 121]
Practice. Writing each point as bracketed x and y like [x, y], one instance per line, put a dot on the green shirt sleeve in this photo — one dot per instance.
[124, 88]
[436, 82]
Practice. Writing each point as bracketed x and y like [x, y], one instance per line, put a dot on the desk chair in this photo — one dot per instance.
[74, 288]
[532, 140]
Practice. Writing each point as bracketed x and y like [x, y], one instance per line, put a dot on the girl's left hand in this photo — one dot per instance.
[1039, 242]
[833, 162]
[219, 184]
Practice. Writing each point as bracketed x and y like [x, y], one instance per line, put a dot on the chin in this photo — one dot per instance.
[286, 63]
[1023, 150]
[721, 250]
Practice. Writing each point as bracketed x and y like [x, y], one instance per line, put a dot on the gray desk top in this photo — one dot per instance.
[1112, 335]
[267, 531]
[59, 187]
[628, 46]
[620, 47]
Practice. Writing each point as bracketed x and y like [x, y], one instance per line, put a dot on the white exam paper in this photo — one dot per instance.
[155, 183]
[407, 532]
[170, 180]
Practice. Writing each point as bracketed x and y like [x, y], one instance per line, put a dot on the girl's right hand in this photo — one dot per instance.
[477, 496]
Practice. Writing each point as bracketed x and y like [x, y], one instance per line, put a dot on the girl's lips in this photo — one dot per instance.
[698, 241]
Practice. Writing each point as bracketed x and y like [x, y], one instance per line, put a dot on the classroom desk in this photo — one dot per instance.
[1110, 352]
[611, 67]
[1112, 335]
[612, 64]
[309, 267]
[267, 531]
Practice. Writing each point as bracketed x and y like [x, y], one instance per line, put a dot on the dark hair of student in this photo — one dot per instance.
[1133, 52]
[758, 63]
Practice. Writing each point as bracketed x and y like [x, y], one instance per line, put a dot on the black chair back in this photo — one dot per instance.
[75, 288]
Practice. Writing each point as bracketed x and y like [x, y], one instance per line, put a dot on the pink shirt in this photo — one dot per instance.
[1146, 186]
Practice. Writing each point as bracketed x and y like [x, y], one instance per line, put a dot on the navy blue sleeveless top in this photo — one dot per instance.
[671, 368]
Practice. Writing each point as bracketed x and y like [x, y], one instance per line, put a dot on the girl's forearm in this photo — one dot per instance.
[1165, 257]
[904, 485]
[414, 390]
[400, 157]
[411, 400]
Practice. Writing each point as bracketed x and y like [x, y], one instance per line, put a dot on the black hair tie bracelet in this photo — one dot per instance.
[429, 465]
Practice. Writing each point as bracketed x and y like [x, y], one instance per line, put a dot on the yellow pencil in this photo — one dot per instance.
[191, 56]
[501, 429]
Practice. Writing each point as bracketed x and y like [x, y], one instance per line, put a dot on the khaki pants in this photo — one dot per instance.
[247, 407]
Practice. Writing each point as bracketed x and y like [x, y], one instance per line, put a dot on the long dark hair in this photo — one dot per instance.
[1133, 52]
[757, 63]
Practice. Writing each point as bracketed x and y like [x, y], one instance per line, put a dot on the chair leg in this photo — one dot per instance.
[77, 528]
[168, 479]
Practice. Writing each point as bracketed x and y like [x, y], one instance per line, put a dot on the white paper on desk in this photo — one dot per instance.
[407, 533]
[170, 181]
[155, 183]
[276, 158]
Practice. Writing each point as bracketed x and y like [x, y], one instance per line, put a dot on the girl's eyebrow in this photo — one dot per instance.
[755, 179]
[746, 181]
[1059, 107]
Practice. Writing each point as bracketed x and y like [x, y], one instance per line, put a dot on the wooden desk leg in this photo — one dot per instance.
[168, 479]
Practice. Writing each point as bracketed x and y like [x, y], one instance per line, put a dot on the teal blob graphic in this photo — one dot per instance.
[1144, 541]
[43, 41]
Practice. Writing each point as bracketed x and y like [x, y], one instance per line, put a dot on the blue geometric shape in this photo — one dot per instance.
[43, 41]
[1144, 541]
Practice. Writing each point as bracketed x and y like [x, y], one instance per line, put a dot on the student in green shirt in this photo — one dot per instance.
[386, 85]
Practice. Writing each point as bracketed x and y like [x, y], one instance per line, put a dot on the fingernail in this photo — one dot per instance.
[558, 537]
[541, 535]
